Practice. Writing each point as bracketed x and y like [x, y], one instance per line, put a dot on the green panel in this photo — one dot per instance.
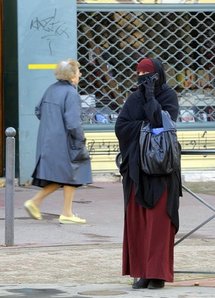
[46, 35]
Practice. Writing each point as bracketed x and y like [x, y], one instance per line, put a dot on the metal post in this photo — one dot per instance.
[9, 188]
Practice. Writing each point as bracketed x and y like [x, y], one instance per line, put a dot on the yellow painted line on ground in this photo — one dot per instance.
[41, 66]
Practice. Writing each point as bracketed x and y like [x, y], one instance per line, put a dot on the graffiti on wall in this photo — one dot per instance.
[51, 27]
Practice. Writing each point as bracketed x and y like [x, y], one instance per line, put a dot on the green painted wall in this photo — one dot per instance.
[47, 34]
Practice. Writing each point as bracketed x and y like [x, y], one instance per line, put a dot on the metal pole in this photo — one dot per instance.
[198, 198]
[194, 230]
[9, 188]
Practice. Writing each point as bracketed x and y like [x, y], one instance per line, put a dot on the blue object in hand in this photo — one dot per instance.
[157, 130]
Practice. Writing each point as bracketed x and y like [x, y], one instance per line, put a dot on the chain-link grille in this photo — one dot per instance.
[111, 42]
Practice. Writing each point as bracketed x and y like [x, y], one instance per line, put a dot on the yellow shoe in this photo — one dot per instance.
[32, 210]
[71, 219]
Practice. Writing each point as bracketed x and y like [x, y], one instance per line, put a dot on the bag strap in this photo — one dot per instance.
[168, 123]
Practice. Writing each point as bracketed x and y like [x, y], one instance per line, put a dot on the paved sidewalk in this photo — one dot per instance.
[54, 260]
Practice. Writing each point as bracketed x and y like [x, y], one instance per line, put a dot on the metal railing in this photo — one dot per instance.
[197, 197]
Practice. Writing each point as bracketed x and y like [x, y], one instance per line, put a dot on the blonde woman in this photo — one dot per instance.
[62, 159]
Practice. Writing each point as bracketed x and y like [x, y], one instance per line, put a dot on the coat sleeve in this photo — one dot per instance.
[72, 117]
[170, 103]
[153, 112]
[127, 127]
[38, 110]
[134, 112]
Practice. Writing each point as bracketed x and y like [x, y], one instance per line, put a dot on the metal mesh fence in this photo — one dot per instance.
[111, 42]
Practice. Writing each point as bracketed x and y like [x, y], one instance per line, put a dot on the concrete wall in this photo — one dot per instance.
[46, 34]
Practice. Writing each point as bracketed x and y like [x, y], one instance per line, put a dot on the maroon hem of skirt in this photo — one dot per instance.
[148, 243]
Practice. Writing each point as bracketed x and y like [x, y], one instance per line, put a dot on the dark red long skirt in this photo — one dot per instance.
[148, 244]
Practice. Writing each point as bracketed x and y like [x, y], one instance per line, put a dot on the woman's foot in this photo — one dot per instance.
[156, 284]
[32, 209]
[71, 219]
[142, 283]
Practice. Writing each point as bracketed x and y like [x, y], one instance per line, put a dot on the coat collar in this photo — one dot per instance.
[65, 82]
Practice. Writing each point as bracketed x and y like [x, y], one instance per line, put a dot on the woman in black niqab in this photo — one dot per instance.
[151, 203]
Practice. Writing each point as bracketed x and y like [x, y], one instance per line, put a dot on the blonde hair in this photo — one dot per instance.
[67, 69]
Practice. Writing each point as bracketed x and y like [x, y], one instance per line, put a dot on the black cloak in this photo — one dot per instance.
[148, 189]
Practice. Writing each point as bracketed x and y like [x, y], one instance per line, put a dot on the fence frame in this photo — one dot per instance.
[137, 7]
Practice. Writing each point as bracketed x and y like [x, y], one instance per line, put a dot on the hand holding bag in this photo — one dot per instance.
[77, 150]
[160, 152]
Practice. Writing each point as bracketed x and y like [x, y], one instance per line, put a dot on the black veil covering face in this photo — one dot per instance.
[155, 71]
[141, 78]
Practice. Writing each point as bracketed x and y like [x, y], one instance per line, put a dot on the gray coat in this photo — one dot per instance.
[61, 154]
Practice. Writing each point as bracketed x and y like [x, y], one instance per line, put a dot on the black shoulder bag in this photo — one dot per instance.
[160, 152]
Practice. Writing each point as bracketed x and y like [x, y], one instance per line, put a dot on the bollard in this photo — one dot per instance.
[9, 188]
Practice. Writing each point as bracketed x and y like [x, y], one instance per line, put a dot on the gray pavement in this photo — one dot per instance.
[53, 260]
